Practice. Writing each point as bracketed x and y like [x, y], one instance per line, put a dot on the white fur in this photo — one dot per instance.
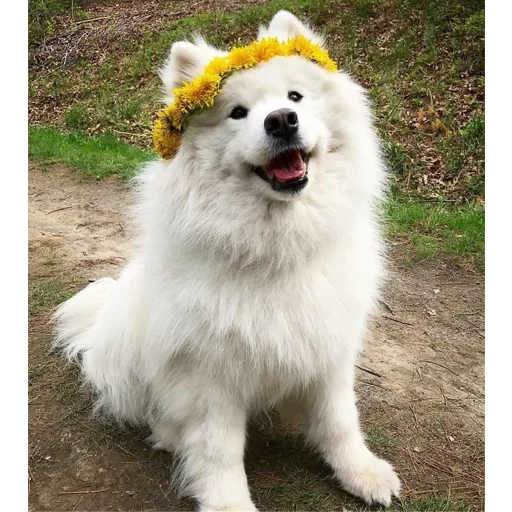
[240, 297]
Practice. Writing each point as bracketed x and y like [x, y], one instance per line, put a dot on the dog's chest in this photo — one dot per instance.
[269, 332]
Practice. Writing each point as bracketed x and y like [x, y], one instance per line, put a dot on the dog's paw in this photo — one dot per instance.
[374, 481]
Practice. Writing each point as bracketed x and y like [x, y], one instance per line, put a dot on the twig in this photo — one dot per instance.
[163, 492]
[31, 475]
[396, 320]
[371, 372]
[78, 503]
[60, 209]
[85, 491]
[370, 383]
[93, 19]
[132, 134]
[444, 396]
[441, 365]
[387, 306]
[126, 451]
[414, 415]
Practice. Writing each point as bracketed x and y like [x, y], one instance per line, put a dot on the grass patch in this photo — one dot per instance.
[98, 156]
[380, 440]
[47, 295]
[76, 117]
[435, 503]
[453, 231]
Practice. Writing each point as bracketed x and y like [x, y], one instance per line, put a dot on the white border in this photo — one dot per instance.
[14, 254]
[499, 256]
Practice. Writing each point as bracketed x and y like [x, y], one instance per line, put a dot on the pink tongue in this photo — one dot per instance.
[288, 167]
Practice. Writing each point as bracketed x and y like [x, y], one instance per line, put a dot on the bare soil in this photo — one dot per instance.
[420, 386]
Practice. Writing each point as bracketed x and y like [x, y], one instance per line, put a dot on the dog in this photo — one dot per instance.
[258, 262]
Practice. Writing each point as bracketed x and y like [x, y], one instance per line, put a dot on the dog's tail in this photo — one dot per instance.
[74, 318]
[99, 328]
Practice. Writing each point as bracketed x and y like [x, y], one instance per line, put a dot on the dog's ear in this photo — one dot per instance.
[285, 25]
[185, 62]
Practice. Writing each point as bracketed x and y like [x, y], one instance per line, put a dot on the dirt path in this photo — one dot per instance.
[421, 386]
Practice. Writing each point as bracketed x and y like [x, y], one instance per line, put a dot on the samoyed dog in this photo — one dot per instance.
[257, 266]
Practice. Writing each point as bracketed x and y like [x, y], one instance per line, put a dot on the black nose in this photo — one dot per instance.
[282, 123]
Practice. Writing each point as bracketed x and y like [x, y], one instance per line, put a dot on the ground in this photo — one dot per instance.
[420, 383]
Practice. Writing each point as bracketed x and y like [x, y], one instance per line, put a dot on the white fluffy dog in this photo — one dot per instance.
[257, 265]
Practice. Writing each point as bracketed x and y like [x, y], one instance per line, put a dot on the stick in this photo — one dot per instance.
[132, 134]
[85, 491]
[78, 503]
[414, 415]
[371, 372]
[387, 306]
[441, 365]
[60, 209]
[92, 19]
[396, 320]
[370, 383]
[126, 451]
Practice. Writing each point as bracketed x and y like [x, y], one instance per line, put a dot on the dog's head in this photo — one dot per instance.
[272, 128]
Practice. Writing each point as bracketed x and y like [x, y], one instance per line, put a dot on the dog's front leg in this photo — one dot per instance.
[333, 427]
[211, 447]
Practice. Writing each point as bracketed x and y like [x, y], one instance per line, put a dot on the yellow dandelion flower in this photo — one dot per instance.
[241, 58]
[321, 57]
[218, 66]
[174, 114]
[201, 91]
[266, 49]
[302, 46]
[165, 140]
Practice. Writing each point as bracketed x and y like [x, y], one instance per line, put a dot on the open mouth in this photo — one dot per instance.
[288, 172]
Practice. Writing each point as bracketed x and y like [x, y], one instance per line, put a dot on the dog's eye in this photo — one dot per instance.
[238, 113]
[294, 96]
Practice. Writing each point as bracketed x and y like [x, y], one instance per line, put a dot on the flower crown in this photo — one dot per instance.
[200, 93]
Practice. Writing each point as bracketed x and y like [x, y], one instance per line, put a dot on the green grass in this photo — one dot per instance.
[380, 440]
[441, 502]
[76, 117]
[98, 156]
[453, 231]
[47, 295]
